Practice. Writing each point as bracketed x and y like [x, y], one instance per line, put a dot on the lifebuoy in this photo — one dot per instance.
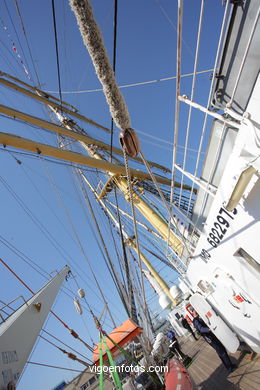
[177, 377]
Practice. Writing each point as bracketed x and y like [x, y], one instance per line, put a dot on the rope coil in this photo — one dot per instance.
[93, 41]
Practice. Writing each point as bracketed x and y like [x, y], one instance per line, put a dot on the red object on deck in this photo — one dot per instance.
[177, 377]
[121, 335]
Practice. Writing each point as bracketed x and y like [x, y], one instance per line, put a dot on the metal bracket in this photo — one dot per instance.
[107, 187]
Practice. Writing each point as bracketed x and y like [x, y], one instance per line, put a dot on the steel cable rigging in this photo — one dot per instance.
[78, 240]
[56, 48]
[38, 223]
[43, 272]
[27, 41]
[16, 33]
[107, 257]
[93, 41]
[72, 332]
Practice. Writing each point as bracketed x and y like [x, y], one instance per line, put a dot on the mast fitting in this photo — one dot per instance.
[130, 142]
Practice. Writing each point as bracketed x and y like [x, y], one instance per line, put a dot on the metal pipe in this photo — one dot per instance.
[209, 189]
[220, 117]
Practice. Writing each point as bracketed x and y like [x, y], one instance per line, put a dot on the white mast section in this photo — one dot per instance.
[19, 332]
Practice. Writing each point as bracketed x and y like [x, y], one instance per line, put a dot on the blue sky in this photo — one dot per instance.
[146, 50]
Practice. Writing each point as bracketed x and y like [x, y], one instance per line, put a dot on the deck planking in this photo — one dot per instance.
[208, 372]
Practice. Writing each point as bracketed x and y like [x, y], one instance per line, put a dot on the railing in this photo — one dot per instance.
[7, 305]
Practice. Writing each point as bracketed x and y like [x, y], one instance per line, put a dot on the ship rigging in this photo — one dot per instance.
[126, 210]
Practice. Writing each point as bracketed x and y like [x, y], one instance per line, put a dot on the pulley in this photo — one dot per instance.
[130, 142]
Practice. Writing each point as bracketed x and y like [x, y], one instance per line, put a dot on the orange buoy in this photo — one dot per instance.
[177, 377]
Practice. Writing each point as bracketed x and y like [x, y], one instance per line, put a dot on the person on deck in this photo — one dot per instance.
[212, 340]
[174, 346]
[187, 326]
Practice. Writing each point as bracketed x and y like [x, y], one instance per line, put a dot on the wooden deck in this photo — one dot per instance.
[209, 373]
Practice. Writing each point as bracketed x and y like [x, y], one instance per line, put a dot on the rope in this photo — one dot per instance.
[50, 366]
[16, 33]
[56, 338]
[114, 71]
[136, 291]
[27, 42]
[56, 48]
[37, 222]
[80, 272]
[134, 84]
[161, 258]
[103, 207]
[133, 311]
[138, 222]
[163, 198]
[107, 258]
[175, 28]
[135, 228]
[22, 256]
[35, 89]
[77, 238]
[93, 41]
[13, 50]
[112, 233]
[69, 354]
[17, 277]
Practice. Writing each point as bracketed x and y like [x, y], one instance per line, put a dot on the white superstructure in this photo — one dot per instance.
[225, 265]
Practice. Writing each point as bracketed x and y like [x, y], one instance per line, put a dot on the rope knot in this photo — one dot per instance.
[130, 142]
